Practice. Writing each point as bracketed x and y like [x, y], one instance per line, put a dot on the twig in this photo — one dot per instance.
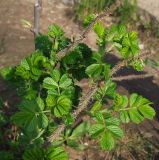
[107, 12]
[131, 77]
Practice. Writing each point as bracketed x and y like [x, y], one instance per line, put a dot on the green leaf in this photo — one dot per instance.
[62, 107]
[40, 103]
[96, 107]
[68, 120]
[57, 153]
[124, 117]
[34, 153]
[43, 121]
[7, 73]
[80, 130]
[117, 132]
[25, 64]
[125, 52]
[69, 92]
[55, 75]
[99, 117]
[95, 130]
[107, 141]
[112, 121]
[147, 111]
[94, 70]
[98, 57]
[107, 72]
[133, 99]
[137, 64]
[126, 42]
[52, 153]
[50, 100]
[49, 83]
[65, 82]
[108, 90]
[30, 116]
[120, 102]
[135, 116]
[99, 29]
[138, 110]
[32, 124]
[133, 36]
[55, 31]
[88, 20]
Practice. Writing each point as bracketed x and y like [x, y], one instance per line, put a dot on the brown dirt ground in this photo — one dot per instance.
[16, 42]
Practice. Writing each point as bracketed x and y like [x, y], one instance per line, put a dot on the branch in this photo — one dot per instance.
[131, 77]
[107, 13]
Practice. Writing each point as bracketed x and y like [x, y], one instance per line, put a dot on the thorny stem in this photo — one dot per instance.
[107, 13]
[85, 100]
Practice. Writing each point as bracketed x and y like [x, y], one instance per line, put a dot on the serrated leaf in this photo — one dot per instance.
[50, 101]
[112, 121]
[65, 82]
[29, 118]
[133, 36]
[49, 83]
[55, 31]
[40, 103]
[25, 64]
[125, 52]
[107, 72]
[96, 129]
[126, 42]
[117, 132]
[6, 73]
[133, 99]
[96, 107]
[62, 107]
[43, 120]
[81, 130]
[55, 75]
[124, 117]
[107, 141]
[87, 21]
[94, 70]
[99, 29]
[57, 153]
[99, 117]
[147, 111]
[37, 153]
[135, 116]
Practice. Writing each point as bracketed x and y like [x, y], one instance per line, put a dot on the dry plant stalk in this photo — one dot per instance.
[37, 14]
